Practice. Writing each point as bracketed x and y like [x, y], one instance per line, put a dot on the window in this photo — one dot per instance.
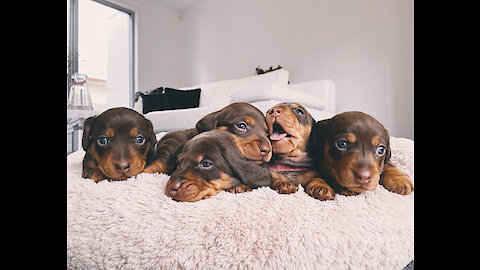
[100, 45]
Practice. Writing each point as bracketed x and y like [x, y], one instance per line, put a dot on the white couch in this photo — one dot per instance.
[262, 91]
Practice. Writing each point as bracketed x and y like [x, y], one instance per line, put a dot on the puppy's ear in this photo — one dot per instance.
[318, 137]
[388, 155]
[208, 122]
[249, 173]
[87, 131]
[151, 137]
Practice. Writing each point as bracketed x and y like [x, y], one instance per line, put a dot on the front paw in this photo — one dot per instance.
[98, 176]
[156, 167]
[399, 184]
[318, 189]
[396, 181]
[284, 187]
[239, 189]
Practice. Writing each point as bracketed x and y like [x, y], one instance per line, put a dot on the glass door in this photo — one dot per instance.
[103, 43]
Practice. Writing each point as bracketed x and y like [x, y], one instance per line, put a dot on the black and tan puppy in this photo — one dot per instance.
[118, 144]
[211, 162]
[241, 119]
[290, 125]
[352, 154]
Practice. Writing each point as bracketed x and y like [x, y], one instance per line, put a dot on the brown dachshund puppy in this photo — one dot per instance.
[118, 144]
[352, 153]
[211, 162]
[242, 119]
[289, 125]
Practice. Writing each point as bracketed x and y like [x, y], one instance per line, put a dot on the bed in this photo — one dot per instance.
[132, 224]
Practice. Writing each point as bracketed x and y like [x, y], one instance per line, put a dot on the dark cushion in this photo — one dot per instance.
[162, 99]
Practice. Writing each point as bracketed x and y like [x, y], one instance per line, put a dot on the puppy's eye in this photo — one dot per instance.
[102, 140]
[270, 111]
[381, 150]
[241, 126]
[205, 164]
[139, 140]
[341, 144]
[299, 111]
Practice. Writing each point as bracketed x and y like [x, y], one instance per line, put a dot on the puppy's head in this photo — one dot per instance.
[119, 140]
[210, 162]
[245, 121]
[289, 126]
[352, 147]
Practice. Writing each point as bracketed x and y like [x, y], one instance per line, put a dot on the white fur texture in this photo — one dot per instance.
[132, 224]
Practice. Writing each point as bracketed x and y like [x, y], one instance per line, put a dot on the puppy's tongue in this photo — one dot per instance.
[277, 136]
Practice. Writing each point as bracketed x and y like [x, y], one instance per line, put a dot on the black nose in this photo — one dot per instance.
[122, 167]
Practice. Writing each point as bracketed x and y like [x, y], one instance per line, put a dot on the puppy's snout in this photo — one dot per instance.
[264, 150]
[174, 184]
[122, 167]
[363, 175]
[275, 111]
[174, 187]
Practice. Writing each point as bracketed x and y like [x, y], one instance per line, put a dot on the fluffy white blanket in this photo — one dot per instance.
[133, 225]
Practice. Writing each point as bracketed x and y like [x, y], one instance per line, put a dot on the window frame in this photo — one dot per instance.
[73, 42]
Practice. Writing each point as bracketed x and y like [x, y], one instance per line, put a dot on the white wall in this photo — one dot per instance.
[365, 46]
[159, 39]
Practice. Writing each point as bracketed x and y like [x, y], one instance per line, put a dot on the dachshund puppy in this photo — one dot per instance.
[214, 161]
[118, 144]
[289, 125]
[352, 153]
[241, 118]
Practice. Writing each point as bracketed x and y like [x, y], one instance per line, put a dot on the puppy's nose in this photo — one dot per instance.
[362, 176]
[122, 167]
[275, 111]
[173, 187]
[264, 150]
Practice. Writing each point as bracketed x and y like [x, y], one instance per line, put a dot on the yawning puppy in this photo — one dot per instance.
[352, 153]
[211, 162]
[289, 125]
[118, 144]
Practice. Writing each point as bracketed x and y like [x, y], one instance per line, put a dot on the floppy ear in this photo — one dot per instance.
[87, 131]
[249, 173]
[318, 137]
[388, 155]
[208, 122]
[152, 138]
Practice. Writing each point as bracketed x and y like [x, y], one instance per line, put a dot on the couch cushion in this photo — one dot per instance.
[282, 94]
[218, 93]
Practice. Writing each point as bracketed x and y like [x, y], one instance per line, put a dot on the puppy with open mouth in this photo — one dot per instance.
[289, 126]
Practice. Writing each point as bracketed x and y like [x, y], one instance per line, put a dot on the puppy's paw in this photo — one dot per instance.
[318, 189]
[156, 167]
[284, 186]
[396, 181]
[399, 184]
[239, 189]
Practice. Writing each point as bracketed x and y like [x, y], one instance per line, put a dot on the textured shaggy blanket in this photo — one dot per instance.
[132, 224]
